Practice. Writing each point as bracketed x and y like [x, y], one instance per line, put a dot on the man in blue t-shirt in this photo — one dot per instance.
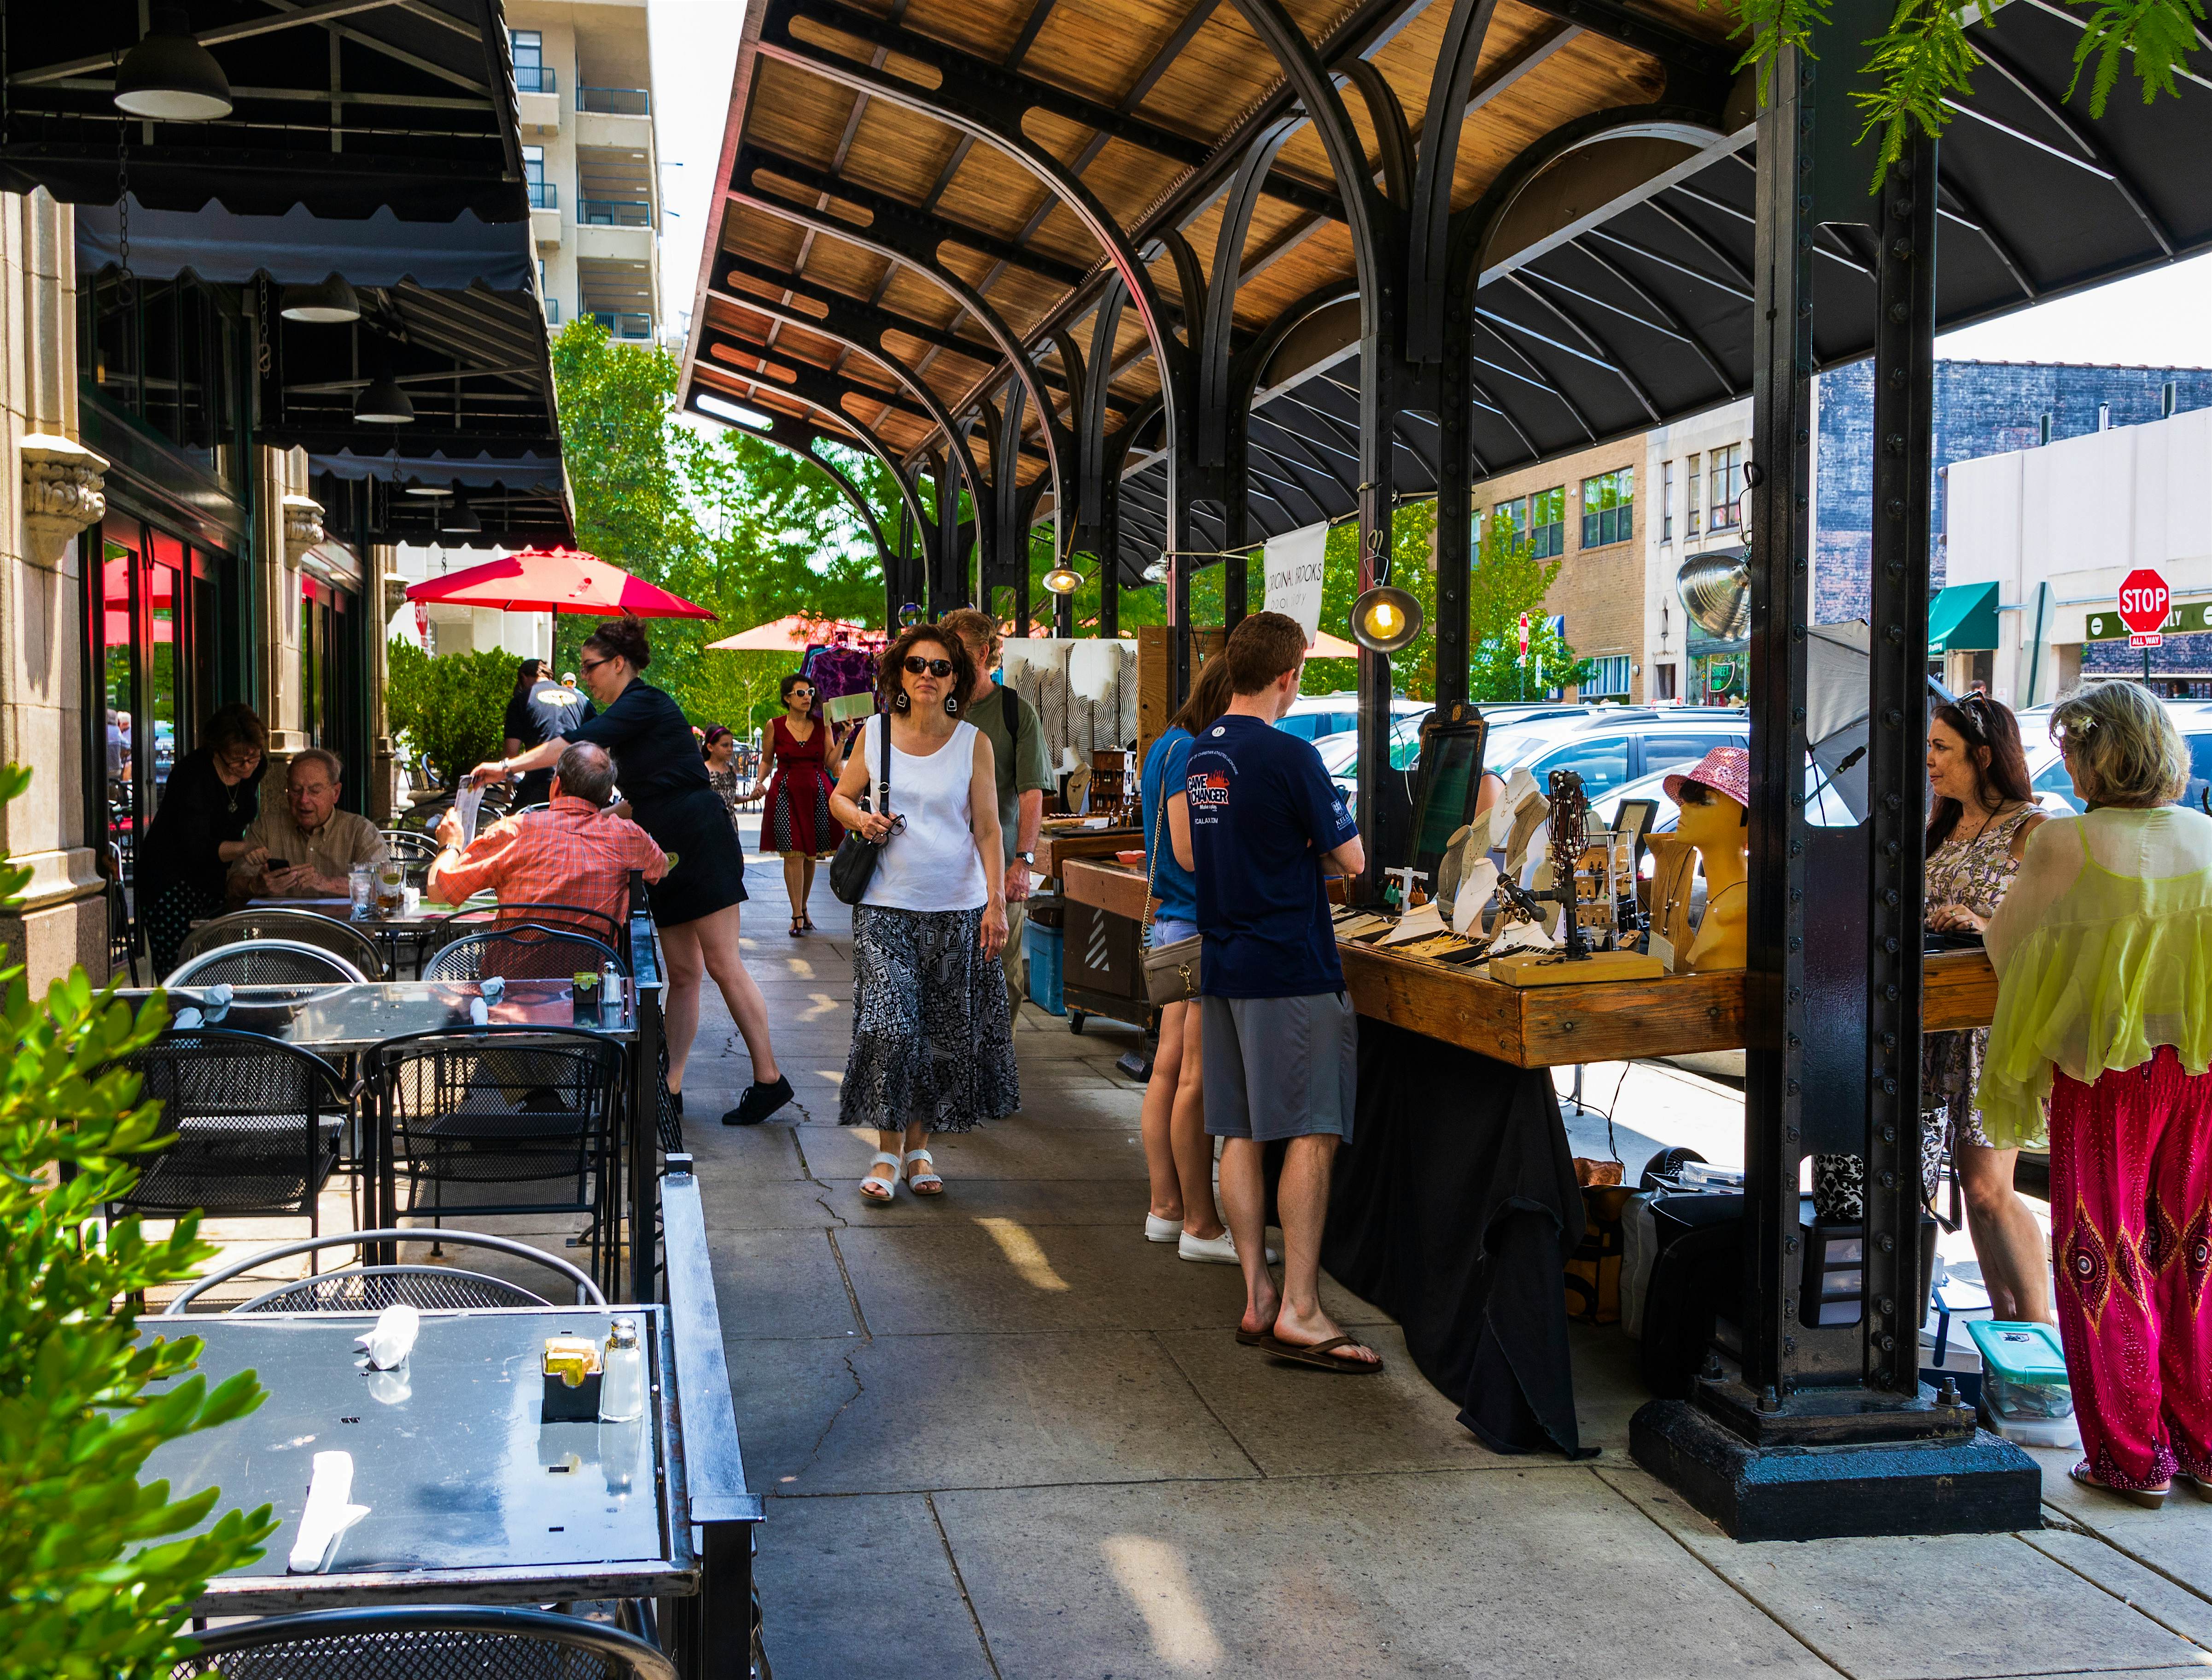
[1267, 828]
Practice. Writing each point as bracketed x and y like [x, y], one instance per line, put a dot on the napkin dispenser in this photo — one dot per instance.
[570, 1368]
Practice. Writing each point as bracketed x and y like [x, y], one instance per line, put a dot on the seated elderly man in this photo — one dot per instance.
[575, 852]
[303, 846]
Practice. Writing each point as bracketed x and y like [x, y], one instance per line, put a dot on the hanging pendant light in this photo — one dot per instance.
[427, 490]
[1385, 619]
[1063, 580]
[329, 302]
[382, 403]
[460, 517]
[171, 77]
[911, 615]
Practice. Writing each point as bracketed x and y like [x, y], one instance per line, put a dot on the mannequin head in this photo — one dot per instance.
[1711, 821]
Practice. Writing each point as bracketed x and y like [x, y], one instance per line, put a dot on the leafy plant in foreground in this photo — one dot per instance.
[95, 1588]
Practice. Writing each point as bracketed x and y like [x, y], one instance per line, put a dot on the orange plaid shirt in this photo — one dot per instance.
[572, 853]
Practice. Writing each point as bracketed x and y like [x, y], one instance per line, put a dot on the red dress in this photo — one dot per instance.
[797, 820]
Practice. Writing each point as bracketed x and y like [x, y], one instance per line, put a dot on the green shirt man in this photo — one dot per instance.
[1024, 774]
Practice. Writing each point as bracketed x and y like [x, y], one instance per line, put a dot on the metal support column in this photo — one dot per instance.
[1819, 1430]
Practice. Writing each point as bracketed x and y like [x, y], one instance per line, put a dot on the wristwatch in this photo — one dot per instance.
[1029, 857]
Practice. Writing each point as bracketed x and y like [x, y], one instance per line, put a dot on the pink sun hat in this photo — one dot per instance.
[1725, 770]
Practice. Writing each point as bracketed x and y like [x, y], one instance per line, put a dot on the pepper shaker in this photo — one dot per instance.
[622, 1382]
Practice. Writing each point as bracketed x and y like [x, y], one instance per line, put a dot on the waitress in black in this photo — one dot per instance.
[659, 769]
[197, 832]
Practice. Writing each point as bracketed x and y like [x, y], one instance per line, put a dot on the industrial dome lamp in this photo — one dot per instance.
[169, 76]
[460, 518]
[1385, 620]
[382, 403]
[329, 302]
[1063, 580]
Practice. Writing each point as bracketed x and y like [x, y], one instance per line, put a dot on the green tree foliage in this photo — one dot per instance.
[740, 526]
[453, 709]
[1505, 581]
[96, 1583]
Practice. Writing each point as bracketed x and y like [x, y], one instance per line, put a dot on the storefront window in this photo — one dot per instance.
[165, 352]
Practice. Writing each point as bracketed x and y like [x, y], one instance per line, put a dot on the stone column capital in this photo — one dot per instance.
[64, 491]
[303, 527]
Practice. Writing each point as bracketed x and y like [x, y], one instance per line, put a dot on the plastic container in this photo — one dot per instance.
[2025, 1396]
[1042, 946]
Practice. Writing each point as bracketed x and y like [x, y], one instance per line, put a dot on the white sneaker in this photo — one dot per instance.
[1220, 1251]
[1157, 1229]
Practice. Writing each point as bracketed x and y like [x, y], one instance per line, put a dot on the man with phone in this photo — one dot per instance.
[307, 846]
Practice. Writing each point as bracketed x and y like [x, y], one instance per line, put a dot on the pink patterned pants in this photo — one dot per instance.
[2131, 1231]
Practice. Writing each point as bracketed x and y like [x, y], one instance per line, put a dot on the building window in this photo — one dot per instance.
[1514, 515]
[1663, 681]
[531, 75]
[533, 175]
[1547, 522]
[1608, 676]
[1667, 501]
[1727, 482]
[1691, 504]
[1609, 508]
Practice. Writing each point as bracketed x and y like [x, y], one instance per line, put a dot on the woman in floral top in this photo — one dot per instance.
[720, 747]
[1982, 812]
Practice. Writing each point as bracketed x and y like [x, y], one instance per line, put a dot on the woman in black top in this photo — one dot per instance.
[657, 765]
[212, 793]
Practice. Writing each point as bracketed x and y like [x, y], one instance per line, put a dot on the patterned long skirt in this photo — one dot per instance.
[2131, 1230]
[932, 1041]
[169, 916]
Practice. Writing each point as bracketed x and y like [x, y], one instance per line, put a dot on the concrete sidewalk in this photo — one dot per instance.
[1003, 1435]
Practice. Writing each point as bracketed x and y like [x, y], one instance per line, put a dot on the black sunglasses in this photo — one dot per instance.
[916, 664]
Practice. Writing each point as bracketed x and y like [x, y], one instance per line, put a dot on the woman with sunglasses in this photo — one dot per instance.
[799, 767]
[694, 905]
[933, 1038]
[1982, 812]
[184, 858]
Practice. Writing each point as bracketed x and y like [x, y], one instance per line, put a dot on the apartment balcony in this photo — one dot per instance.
[538, 102]
[613, 213]
[624, 323]
[545, 215]
[615, 230]
[619, 118]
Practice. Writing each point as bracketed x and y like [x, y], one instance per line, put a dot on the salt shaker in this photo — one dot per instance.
[621, 1384]
[610, 995]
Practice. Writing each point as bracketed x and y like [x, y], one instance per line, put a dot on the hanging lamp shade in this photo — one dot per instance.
[1063, 580]
[329, 302]
[428, 490]
[1385, 620]
[911, 615]
[460, 517]
[382, 403]
[171, 77]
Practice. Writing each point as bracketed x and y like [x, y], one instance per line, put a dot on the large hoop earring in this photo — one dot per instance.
[952, 704]
[902, 701]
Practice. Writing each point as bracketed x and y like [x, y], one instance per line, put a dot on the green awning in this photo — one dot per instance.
[1963, 618]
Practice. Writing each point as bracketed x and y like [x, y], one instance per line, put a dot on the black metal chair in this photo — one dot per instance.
[408, 847]
[302, 927]
[568, 918]
[423, 1642]
[253, 1125]
[373, 1288]
[477, 1116]
[122, 924]
[265, 962]
[522, 951]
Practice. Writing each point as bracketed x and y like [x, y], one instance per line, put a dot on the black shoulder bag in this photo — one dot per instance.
[855, 866]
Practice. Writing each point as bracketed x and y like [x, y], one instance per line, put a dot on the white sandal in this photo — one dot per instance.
[925, 1182]
[881, 1189]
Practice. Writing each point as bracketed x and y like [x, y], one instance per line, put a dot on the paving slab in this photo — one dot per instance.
[1001, 1150]
[913, 1413]
[781, 1283]
[837, 1566]
[1874, 1608]
[2176, 1541]
[1450, 1573]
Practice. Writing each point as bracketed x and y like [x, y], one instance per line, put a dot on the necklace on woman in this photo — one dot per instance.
[1996, 812]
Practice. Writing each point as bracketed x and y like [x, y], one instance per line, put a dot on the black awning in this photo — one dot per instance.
[298, 247]
[422, 123]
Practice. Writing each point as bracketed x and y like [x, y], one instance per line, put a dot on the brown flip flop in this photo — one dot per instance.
[1319, 1355]
[1253, 1339]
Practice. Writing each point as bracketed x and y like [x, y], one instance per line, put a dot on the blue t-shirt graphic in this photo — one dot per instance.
[1263, 813]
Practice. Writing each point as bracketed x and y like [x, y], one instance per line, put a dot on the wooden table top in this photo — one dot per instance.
[1104, 884]
[1054, 852]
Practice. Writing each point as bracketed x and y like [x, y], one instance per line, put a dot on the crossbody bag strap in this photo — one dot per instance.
[883, 771]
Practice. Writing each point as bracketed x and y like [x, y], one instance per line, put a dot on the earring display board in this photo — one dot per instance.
[1084, 689]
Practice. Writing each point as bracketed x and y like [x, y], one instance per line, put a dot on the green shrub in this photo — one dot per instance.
[95, 1587]
[453, 707]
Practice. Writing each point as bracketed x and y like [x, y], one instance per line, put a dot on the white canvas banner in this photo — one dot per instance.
[1294, 572]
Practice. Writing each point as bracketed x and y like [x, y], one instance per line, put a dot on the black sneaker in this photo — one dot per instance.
[759, 1103]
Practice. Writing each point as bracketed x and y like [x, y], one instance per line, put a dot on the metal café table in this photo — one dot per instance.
[469, 1496]
[348, 1018]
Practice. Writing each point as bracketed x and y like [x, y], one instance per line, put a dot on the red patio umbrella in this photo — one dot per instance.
[555, 580]
[800, 630]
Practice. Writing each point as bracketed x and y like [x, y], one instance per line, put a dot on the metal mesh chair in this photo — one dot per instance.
[568, 918]
[302, 927]
[373, 1288]
[253, 1125]
[265, 963]
[423, 1642]
[476, 1117]
[522, 951]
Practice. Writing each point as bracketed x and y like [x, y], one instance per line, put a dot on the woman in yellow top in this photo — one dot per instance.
[2103, 951]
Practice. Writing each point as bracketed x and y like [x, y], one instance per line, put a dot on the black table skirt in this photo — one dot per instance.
[1454, 1211]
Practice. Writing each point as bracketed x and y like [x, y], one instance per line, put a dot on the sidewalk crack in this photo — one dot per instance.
[859, 1388]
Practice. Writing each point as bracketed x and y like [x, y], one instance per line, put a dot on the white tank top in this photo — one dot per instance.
[932, 863]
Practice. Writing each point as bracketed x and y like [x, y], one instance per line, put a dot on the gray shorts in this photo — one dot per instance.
[1280, 1067]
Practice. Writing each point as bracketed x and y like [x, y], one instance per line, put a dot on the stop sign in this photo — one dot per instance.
[2144, 602]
